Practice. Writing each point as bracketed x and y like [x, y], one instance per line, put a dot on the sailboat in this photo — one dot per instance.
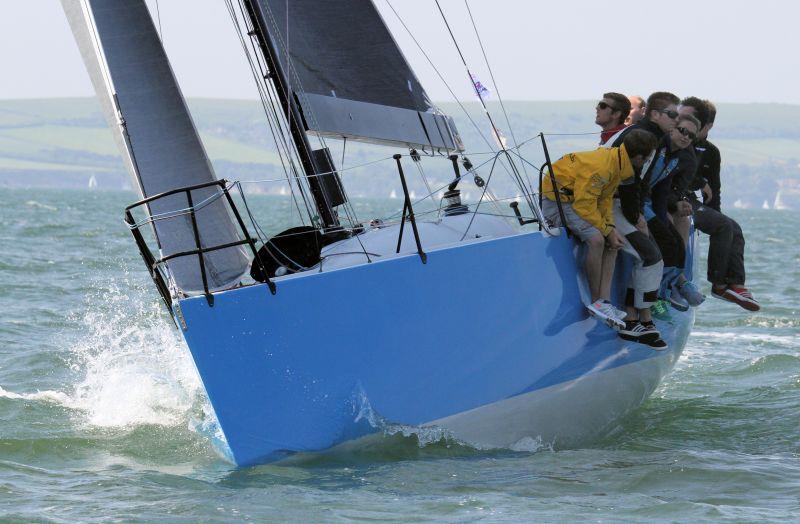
[466, 320]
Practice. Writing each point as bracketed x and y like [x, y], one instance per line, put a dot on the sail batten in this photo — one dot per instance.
[349, 76]
[155, 133]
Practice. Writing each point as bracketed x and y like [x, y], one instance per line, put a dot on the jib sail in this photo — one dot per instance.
[155, 133]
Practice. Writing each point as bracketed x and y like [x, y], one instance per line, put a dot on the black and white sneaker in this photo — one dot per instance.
[635, 331]
[658, 344]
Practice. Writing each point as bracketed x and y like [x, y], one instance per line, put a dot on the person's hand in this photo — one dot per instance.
[641, 225]
[707, 194]
[613, 240]
[684, 209]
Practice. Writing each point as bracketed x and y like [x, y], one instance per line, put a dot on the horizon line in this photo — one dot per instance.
[510, 100]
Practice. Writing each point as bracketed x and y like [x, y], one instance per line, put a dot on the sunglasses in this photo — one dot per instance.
[671, 114]
[603, 105]
[685, 132]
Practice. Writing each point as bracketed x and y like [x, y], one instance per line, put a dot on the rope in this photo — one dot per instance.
[514, 172]
[485, 187]
[158, 15]
[266, 106]
[349, 210]
[441, 77]
[496, 87]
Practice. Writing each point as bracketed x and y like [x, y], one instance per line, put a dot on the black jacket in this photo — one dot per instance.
[632, 194]
[709, 160]
[683, 179]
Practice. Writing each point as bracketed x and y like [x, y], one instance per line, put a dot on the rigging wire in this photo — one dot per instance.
[512, 173]
[263, 96]
[348, 207]
[494, 82]
[514, 170]
[441, 77]
[485, 188]
[158, 15]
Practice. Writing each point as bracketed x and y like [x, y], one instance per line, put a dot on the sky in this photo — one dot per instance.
[727, 51]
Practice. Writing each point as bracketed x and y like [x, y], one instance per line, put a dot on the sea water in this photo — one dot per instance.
[103, 417]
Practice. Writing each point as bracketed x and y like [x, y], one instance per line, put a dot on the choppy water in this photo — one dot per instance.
[103, 417]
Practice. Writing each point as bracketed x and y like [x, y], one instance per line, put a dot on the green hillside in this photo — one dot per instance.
[64, 142]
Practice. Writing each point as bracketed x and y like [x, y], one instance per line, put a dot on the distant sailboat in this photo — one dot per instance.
[393, 194]
[780, 201]
[92, 182]
[765, 205]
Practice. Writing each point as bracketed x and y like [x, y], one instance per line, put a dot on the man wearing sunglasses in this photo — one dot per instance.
[610, 114]
[659, 116]
[645, 280]
[726, 270]
[671, 161]
[660, 119]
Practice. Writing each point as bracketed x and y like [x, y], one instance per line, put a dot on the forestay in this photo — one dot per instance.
[348, 75]
[155, 133]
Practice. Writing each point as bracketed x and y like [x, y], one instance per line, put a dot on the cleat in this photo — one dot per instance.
[739, 295]
[690, 292]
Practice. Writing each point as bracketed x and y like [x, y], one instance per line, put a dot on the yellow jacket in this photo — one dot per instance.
[589, 180]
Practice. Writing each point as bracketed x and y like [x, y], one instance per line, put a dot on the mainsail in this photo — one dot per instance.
[155, 133]
[348, 75]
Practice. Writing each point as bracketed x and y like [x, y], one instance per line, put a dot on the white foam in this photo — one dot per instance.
[133, 366]
[786, 340]
[56, 397]
[531, 445]
[34, 203]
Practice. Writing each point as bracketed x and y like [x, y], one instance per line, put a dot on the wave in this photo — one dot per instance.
[768, 363]
[390, 441]
[782, 340]
[34, 203]
[56, 397]
[129, 366]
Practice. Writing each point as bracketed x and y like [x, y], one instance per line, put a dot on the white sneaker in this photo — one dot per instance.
[603, 311]
[618, 313]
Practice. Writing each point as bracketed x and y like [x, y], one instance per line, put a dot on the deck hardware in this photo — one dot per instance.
[407, 207]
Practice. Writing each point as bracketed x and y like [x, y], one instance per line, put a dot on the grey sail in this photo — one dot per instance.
[155, 133]
[348, 75]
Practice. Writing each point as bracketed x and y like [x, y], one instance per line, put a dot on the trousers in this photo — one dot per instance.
[725, 246]
[648, 265]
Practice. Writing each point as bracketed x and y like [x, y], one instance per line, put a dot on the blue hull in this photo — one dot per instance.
[477, 325]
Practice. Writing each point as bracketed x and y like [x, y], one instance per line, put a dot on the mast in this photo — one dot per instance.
[293, 115]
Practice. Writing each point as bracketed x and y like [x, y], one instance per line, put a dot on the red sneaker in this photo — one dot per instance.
[738, 295]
